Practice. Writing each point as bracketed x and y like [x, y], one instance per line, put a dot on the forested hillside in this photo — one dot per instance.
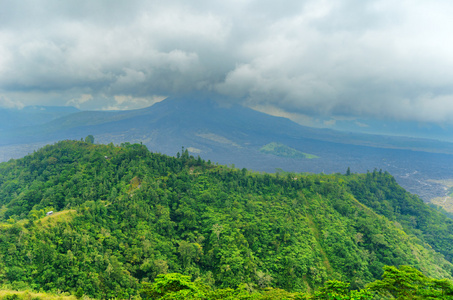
[123, 215]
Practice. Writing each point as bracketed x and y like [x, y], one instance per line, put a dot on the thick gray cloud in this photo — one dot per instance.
[382, 59]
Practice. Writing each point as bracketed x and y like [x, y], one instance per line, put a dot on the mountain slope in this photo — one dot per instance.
[193, 114]
[235, 135]
[124, 215]
[32, 115]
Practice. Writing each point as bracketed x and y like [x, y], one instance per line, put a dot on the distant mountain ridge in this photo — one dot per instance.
[234, 134]
[11, 118]
[200, 115]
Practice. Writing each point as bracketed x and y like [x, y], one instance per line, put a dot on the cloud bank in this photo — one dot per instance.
[378, 58]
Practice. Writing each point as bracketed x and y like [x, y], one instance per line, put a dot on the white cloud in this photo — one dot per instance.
[330, 123]
[80, 100]
[128, 102]
[5, 102]
[296, 117]
[361, 124]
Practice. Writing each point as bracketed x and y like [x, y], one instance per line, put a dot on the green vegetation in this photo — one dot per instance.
[7, 294]
[403, 283]
[285, 151]
[380, 192]
[176, 286]
[409, 283]
[128, 222]
[89, 139]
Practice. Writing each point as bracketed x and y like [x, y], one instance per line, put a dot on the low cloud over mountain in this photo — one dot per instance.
[377, 59]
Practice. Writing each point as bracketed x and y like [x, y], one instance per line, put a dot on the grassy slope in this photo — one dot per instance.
[285, 151]
[27, 295]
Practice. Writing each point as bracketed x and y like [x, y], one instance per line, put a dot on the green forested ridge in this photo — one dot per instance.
[124, 215]
[381, 193]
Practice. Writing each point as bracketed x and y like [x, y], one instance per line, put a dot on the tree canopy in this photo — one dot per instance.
[128, 221]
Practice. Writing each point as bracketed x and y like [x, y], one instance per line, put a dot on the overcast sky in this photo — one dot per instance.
[373, 59]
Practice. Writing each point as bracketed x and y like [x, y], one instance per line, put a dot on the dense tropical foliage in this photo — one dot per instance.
[128, 222]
